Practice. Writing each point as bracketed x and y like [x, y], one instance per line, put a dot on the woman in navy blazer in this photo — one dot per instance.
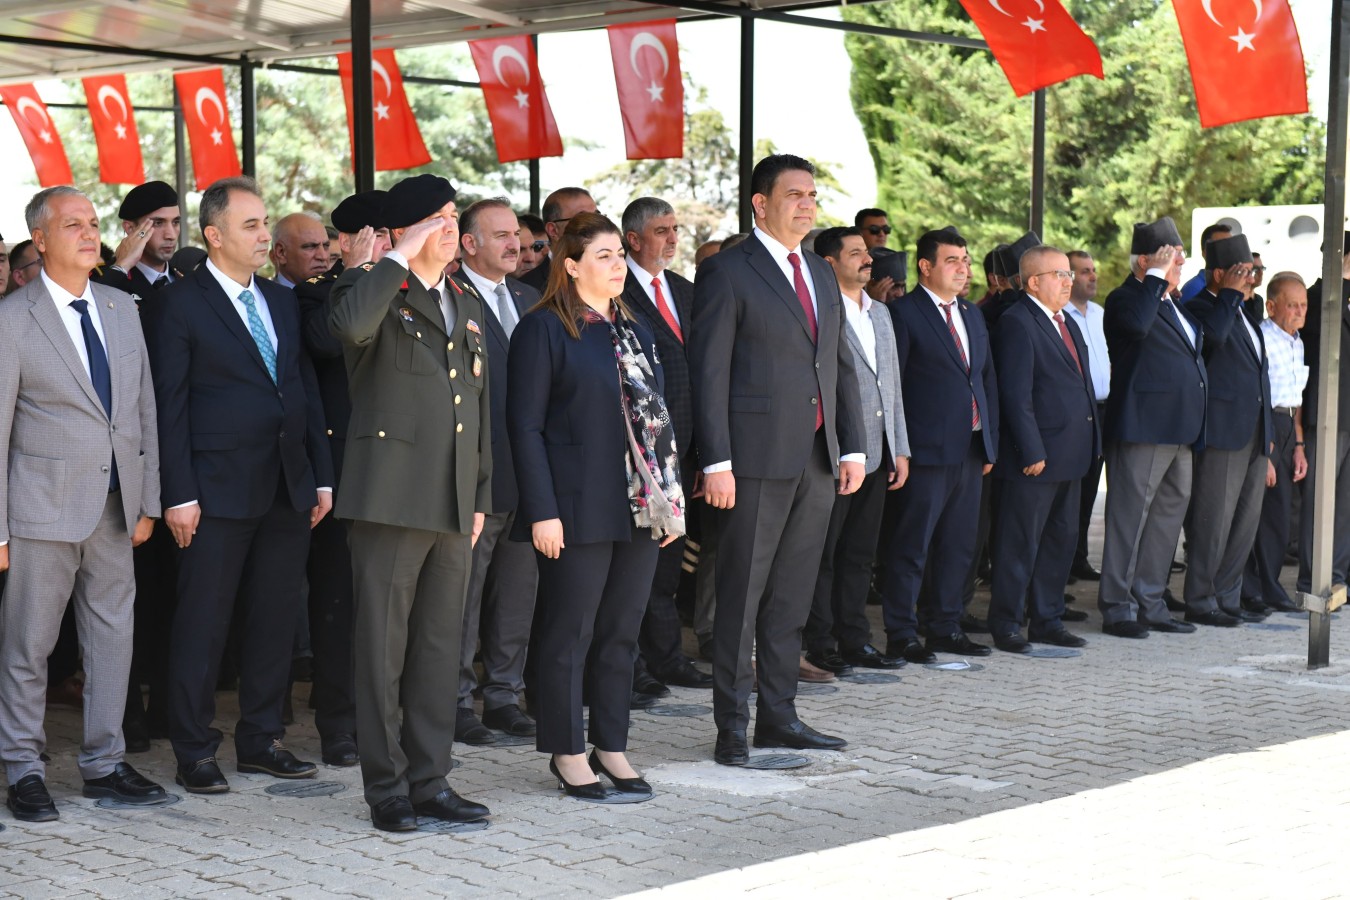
[565, 419]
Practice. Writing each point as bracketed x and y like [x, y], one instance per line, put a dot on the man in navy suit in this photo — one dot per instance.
[1155, 415]
[951, 410]
[1230, 473]
[777, 416]
[665, 302]
[1048, 439]
[245, 473]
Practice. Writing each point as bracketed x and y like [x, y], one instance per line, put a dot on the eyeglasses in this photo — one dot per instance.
[878, 229]
[1061, 274]
[26, 265]
[539, 246]
[1258, 269]
[570, 218]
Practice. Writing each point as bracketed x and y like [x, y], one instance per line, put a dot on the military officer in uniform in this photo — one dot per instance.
[415, 487]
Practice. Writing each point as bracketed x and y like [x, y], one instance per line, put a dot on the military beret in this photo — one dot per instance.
[1226, 252]
[414, 199]
[1149, 237]
[144, 199]
[360, 210]
[185, 259]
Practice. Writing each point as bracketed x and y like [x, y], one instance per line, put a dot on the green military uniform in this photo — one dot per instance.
[418, 460]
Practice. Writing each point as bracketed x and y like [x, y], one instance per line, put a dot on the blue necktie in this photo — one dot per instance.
[259, 332]
[99, 373]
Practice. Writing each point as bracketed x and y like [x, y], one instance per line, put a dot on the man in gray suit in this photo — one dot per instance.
[79, 487]
[839, 609]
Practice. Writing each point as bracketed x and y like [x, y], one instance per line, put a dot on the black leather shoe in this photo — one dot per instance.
[468, 730]
[959, 644]
[339, 750]
[1178, 566]
[276, 761]
[622, 785]
[797, 736]
[1084, 572]
[731, 749]
[393, 814]
[974, 625]
[685, 675]
[1012, 643]
[451, 807]
[1126, 629]
[1251, 611]
[1279, 604]
[869, 657]
[830, 661]
[910, 650]
[29, 801]
[644, 683]
[639, 700]
[1061, 638]
[1173, 604]
[1173, 626]
[592, 790]
[1073, 615]
[510, 719]
[124, 784]
[1217, 618]
[202, 777]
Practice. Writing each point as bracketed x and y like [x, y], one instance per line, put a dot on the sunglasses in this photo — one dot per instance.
[539, 246]
[878, 229]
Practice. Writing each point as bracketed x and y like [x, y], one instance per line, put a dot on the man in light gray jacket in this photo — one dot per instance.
[837, 634]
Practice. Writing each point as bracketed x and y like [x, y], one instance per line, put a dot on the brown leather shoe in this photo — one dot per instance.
[813, 674]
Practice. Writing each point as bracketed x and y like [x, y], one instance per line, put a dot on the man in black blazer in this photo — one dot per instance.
[1230, 472]
[1155, 415]
[500, 604]
[1048, 438]
[246, 473]
[362, 238]
[559, 208]
[665, 301]
[951, 411]
[776, 418]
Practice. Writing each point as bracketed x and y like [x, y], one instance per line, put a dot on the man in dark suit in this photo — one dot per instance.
[1230, 472]
[415, 487]
[777, 416]
[246, 473]
[1048, 438]
[951, 411]
[665, 301]
[559, 208]
[151, 220]
[499, 607]
[1154, 417]
[362, 238]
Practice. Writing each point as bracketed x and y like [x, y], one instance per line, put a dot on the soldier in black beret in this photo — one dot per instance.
[150, 219]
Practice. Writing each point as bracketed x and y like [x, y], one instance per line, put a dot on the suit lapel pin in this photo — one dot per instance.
[406, 314]
[110, 304]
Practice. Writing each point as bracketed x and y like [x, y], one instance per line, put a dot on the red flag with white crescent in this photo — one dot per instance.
[1036, 42]
[114, 121]
[398, 141]
[39, 134]
[522, 120]
[202, 95]
[651, 92]
[1245, 57]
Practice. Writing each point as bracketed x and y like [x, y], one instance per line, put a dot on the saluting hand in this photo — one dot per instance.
[133, 245]
[362, 249]
[415, 236]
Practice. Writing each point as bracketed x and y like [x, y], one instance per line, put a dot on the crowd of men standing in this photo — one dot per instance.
[325, 456]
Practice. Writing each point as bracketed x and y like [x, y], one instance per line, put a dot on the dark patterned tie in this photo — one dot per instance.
[965, 363]
[804, 297]
[1068, 341]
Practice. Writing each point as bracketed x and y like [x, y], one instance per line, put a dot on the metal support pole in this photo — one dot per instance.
[535, 201]
[746, 158]
[248, 118]
[1321, 602]
[1038, 163]
[363, 99]
[180, 178]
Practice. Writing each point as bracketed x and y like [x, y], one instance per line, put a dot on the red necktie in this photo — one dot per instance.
[804, 297]
[961, 351]
[1068, 341]
[664, 306]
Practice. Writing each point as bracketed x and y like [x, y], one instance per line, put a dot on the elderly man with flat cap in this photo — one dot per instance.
[151, 220]
[1155, 415]
[415, 488]
[362, 238]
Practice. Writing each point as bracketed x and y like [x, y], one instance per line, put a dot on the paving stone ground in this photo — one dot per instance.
[1178, 766]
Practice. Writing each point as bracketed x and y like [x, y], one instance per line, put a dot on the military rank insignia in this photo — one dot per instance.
[471, 325]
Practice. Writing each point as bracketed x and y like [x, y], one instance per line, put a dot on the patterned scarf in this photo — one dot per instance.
[655, 495]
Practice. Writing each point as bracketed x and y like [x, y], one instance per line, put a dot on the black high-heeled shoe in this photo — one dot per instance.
[623, 785]
[593, 791]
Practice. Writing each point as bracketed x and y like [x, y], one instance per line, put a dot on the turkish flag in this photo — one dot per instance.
[202, 96]
[119, 144]
[651, 92]
[1246, 60]
[1036, 42]
[39, 134]
[522, 121]
[398, 141]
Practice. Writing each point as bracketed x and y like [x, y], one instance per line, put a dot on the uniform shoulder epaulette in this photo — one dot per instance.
[367, 266]
[318, 278]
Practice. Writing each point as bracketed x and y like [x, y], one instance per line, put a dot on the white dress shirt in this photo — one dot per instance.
[859, 318]
[1094, 335]
[71, 318]
[447, 311]
[645, 279]
[957, 319]
[151, 275]
[233, 289]
[486, 289]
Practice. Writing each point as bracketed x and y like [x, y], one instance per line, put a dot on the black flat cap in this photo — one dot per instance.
[1149, 237]
[414, 199]
[360, 210]
[144, 199]
[1227, 252]
[1019, 247]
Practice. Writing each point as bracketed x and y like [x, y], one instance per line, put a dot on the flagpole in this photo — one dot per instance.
[747, 137]
[363, 99]
[1321, 602]
[1038, 163]
[180, 178]
[248, 118]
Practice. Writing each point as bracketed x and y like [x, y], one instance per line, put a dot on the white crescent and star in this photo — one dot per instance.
[655, 90]
[102, 97]
[206, 94]
[1243, 38]
[382, 108]
[505, 52]
[24, 104]
[1033, 25]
